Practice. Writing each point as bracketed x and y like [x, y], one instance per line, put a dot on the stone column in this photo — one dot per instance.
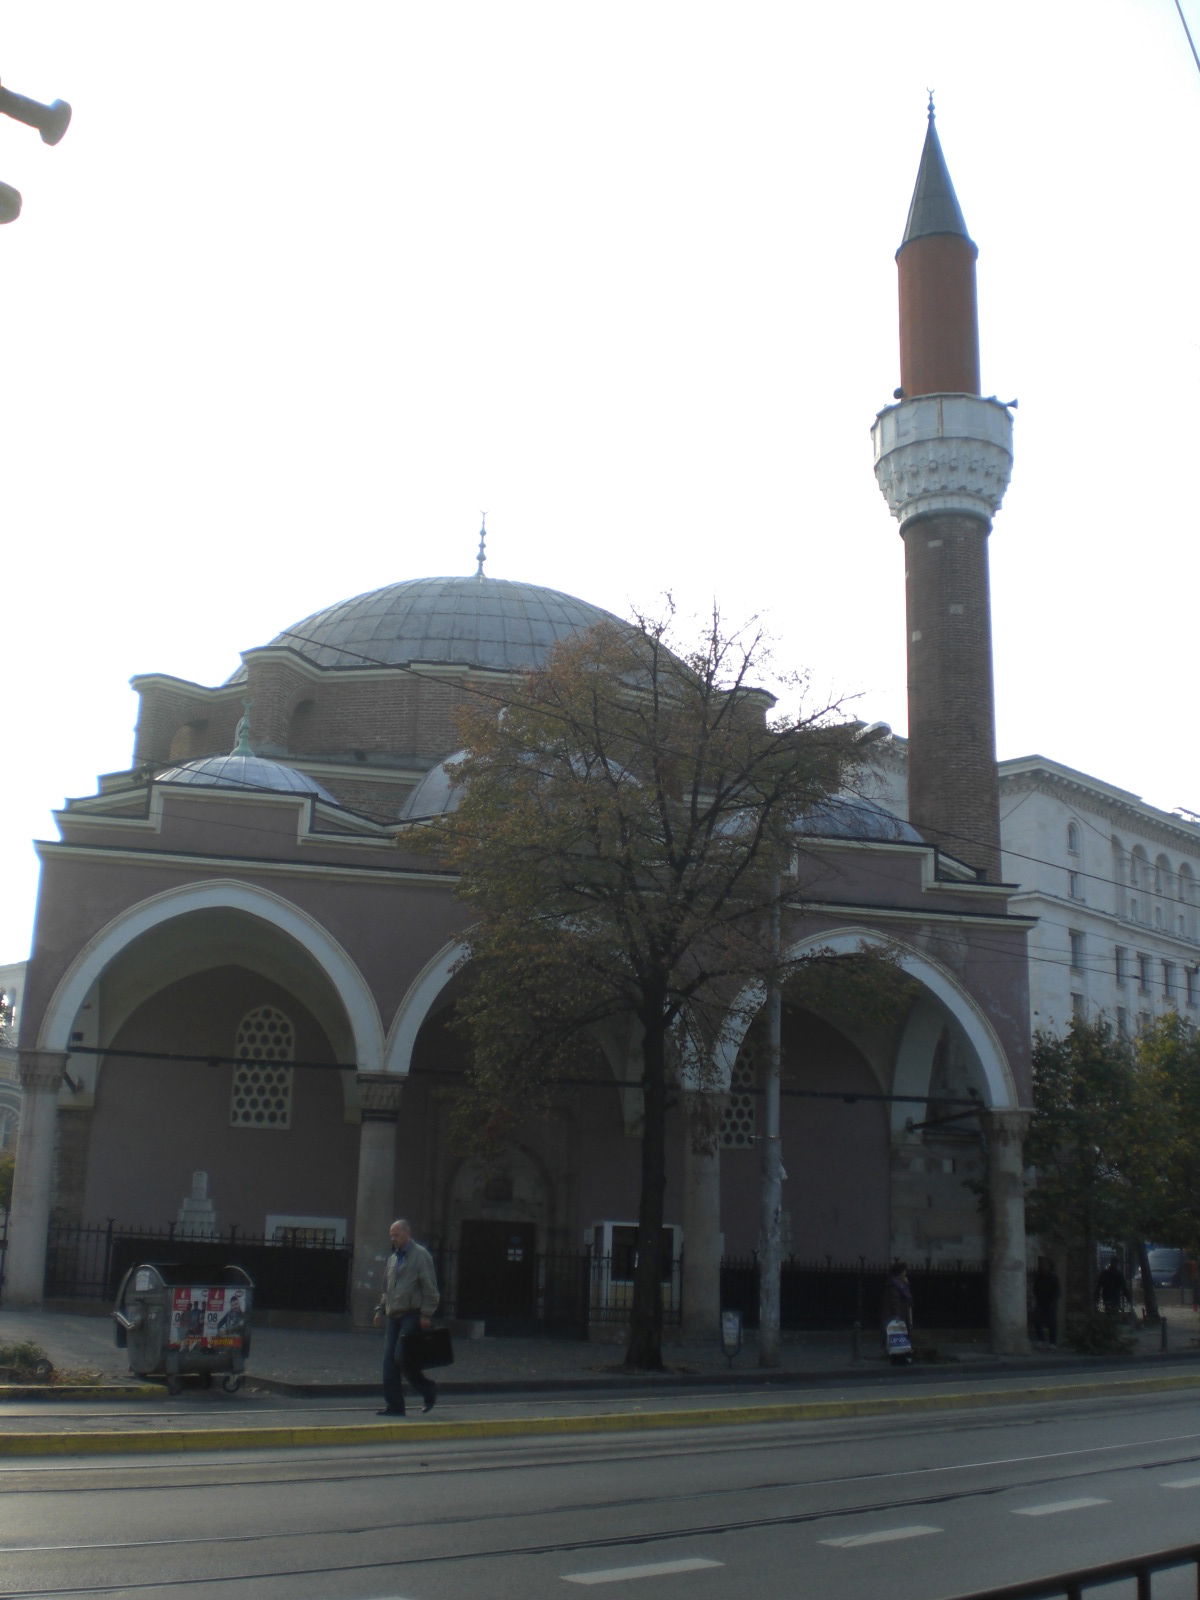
[33, 1180]
[379, 1097]
[702, 1240]
[1006, 1231]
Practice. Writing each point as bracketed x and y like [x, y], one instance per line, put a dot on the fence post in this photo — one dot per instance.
[108, 1241]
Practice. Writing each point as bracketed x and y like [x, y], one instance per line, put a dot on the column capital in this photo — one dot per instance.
[379, 1095]
[1008, 1124]
[42, 1069]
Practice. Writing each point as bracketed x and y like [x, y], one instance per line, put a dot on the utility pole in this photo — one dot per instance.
[772, 1161]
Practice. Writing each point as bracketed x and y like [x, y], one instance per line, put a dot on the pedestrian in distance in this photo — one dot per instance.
[1112, 1290]
[898, 1316]
[410, 1297]
[1047, 1291]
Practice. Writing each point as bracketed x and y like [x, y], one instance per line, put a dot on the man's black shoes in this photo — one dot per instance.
[430, 1401]
[392, 1411]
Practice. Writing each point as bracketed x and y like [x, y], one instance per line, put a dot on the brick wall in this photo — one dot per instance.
[952, 790]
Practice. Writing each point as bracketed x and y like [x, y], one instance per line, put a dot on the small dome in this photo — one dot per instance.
[244, 772]
[852, 817]
[436, 795]
[473, 622]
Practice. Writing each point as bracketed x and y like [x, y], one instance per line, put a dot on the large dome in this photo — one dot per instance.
[472, 622]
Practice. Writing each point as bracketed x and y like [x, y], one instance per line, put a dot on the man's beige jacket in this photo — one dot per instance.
[413, 1285]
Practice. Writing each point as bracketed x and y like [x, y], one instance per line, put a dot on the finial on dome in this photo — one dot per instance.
[931, 110]
[482, 556]
[242, 736]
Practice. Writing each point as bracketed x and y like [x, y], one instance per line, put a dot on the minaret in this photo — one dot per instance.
[942, 459]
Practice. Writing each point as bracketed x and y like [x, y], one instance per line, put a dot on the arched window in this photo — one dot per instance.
[1187, 901]
[1164, 880]
[1139, 883]
[1073, 838]
[262, 1080]
[1119, 875]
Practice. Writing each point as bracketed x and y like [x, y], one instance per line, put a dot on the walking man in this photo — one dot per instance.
[410, 1297]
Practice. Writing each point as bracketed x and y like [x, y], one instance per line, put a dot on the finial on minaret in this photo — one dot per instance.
[931, 110]
[242, 735]
[482, 555]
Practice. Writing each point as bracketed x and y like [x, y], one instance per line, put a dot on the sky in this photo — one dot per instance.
[308, 287]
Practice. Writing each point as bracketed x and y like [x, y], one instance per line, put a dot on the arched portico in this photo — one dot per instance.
[143, 950]
[945, 1023]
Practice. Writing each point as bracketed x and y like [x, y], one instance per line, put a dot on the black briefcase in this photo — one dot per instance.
[429, 1347]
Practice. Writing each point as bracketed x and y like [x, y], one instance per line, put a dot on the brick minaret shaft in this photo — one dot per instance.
[943, 457]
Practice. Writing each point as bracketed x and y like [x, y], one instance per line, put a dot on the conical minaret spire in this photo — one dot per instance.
[942, 458]
[939, 321]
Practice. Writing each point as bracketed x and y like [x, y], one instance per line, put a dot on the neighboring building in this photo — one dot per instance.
[1114, 885]
[244, 968]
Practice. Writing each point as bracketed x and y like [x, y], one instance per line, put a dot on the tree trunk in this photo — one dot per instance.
[644, 1351]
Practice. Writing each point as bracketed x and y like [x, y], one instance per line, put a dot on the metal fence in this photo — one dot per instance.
[515, 1291]
[562, 1294]
[289, 1275]
[1084, 1580]
[827, 1295]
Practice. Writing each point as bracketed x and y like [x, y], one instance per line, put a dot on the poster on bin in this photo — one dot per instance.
[204, 1318]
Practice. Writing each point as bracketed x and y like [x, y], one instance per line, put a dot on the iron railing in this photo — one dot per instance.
[828, 1295]
[292, 1274]
[564, 1294]
[1075, 1585]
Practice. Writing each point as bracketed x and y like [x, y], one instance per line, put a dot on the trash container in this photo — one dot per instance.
[180, 1319]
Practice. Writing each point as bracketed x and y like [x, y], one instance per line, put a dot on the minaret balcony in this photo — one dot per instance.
[943, 453]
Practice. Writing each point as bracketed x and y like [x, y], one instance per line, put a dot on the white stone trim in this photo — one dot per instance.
[943, 453]
[220, 894]
[931, 975]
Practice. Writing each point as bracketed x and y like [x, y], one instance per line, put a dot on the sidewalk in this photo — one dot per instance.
[308, 1363]
[314, 1389]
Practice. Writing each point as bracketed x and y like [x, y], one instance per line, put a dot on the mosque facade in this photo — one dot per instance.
[244, 972]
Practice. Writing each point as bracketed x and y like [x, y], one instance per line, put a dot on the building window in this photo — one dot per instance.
[1120, 962]
[1077, 1011]
[1143, 974]
[1073, 838]
[262, 1079]
[1075, 885]
[1143, 1022]
[1122, 1023]
[1168, 972]
[1077, 950]
[1190, 978]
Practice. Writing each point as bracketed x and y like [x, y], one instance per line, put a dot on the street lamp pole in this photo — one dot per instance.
[50, 121]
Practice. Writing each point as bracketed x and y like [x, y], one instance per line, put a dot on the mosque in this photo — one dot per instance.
[236, 1009]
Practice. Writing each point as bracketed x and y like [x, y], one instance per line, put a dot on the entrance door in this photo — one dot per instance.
[497, 1274]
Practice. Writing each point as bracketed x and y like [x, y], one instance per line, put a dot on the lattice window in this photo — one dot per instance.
[262, 1079]
[739, 1125]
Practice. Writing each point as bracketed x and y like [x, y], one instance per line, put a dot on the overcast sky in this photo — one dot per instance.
[307, 287]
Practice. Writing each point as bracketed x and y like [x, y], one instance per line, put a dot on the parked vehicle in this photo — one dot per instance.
[1166, 1266]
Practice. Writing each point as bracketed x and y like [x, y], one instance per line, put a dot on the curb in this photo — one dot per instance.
[172, 1440]
[80, 1391]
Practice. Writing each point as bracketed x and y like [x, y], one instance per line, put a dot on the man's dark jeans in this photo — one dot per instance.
[398, 1328]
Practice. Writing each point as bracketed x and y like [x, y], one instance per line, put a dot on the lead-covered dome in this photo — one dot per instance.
[245, 772]
[472, 622]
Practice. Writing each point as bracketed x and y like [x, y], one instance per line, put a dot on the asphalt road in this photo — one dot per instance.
[863, 1509]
